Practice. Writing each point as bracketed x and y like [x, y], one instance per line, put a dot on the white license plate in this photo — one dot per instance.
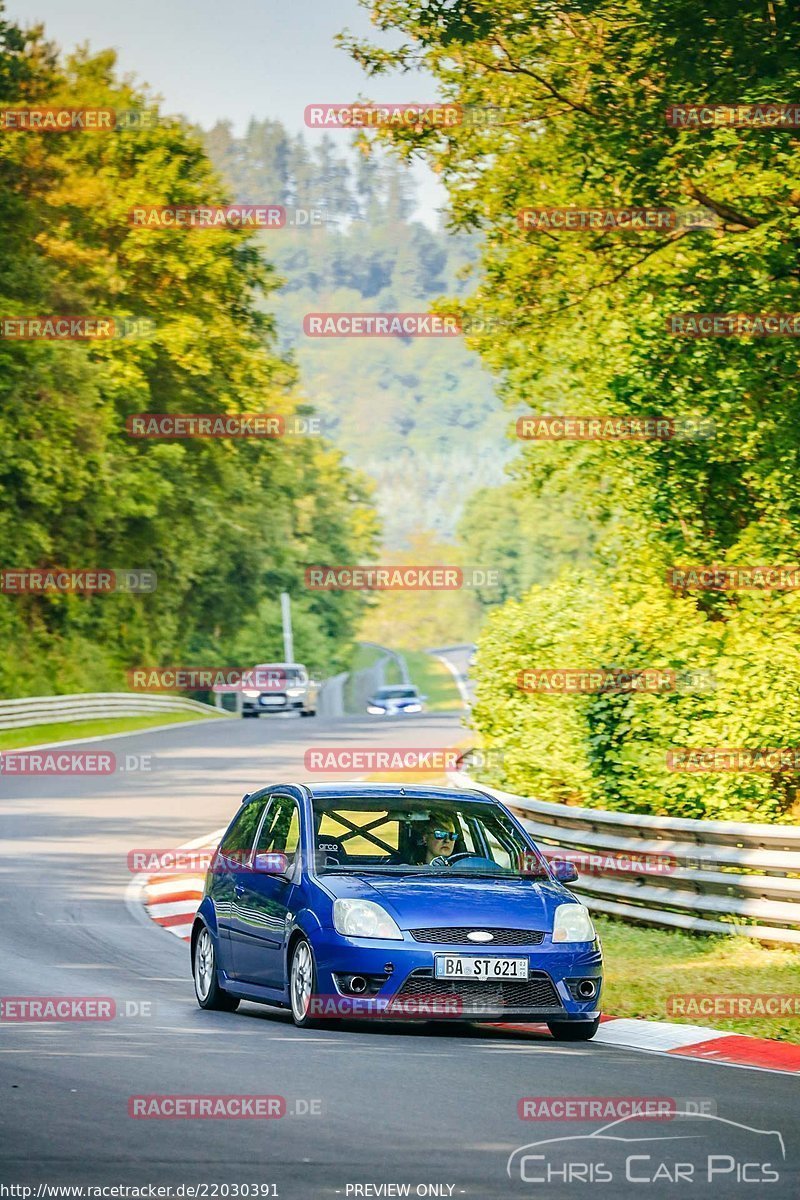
[461, 966]
[272, 701]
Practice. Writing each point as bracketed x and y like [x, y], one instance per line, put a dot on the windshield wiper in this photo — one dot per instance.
[363, 871]
[396, 872]
[493, 875]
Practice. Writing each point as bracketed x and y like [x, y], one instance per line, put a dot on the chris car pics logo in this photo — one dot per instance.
[694, 1148]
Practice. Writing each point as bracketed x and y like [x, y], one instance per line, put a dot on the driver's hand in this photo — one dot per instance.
[441, 860]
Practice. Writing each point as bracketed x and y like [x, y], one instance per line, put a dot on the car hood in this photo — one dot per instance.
[497, 903]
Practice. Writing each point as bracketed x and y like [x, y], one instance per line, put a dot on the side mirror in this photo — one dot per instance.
[272, 863]
[565, 872]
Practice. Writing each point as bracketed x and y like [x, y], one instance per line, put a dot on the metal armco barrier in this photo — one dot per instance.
[85, 706]
[721, 868]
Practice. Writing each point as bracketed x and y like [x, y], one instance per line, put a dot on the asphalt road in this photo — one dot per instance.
[405, 1104]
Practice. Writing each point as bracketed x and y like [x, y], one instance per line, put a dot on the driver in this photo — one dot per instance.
[439, 836]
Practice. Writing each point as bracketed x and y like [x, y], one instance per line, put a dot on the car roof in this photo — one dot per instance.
[409, 791]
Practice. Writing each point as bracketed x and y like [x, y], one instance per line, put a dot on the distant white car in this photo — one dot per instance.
[394, 699]
[281, 687]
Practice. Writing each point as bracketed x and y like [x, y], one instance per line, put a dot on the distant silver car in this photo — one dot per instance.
[281, 687]
[394, 699]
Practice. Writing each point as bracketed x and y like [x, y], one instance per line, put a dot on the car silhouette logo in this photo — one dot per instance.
[613, 1135]
[480, 935]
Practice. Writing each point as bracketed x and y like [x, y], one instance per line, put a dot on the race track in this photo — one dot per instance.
[405, 1104]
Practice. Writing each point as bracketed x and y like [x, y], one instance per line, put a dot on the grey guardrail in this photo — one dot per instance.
[84, 706]
[398, 659]
[715, 869]
[330, 702]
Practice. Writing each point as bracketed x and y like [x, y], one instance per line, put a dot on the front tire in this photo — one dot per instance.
[574, 1031]
[302, 984]
[204, 969]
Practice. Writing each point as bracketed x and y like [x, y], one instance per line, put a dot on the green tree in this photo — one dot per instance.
[579, 327]
[226, 525]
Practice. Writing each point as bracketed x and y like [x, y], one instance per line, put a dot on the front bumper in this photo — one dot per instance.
[411, 991]
[283, 704]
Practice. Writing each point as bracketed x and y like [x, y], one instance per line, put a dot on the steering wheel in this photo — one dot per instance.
[442, 860]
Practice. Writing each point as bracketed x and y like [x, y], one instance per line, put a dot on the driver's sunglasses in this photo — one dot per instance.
[443, 835]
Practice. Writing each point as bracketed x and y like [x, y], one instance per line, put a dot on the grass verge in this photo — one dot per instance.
[643, 967]
[39, 735]
[434, 680]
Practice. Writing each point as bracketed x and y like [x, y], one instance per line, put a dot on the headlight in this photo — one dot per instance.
[251, 695]
[573, 924]
[413, 708]
[364, 919]
[295, 691]
[373, 708]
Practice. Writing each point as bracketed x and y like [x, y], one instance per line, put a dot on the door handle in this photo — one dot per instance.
[238, 890]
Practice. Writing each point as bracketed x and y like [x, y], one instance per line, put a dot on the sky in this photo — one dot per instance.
[211, 60]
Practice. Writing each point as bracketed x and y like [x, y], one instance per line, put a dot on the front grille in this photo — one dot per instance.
[537, 992]
[452, 935]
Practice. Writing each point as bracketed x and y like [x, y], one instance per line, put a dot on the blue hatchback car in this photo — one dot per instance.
[367, 900]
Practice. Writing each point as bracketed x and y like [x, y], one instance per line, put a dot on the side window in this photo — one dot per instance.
[281, 829]
[238, 841]
[499, 853]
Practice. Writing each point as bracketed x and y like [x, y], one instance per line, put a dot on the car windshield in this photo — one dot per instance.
[273, 676]
[397, 693]
[410, 837]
